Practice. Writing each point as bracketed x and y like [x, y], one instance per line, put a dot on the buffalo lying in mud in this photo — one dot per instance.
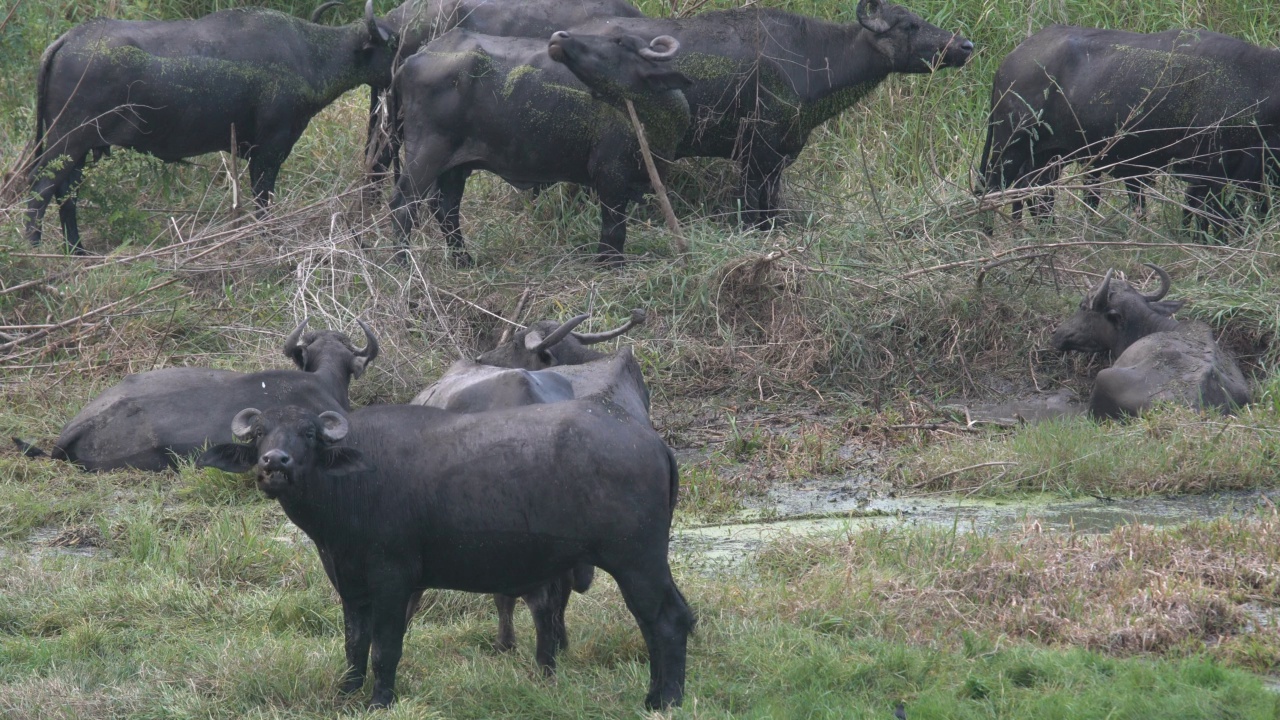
[402, 498]
[765, 78]
[1202, 105]
[152, 419]
[419, 21]
[180, 88]
[533, 113]
[515, 374]
[1157, 358]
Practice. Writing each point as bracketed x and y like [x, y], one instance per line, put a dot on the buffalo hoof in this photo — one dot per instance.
[503, 645]
[461, 259]
[611, 260]
[656, 701]
[350, 686]
[382, 700]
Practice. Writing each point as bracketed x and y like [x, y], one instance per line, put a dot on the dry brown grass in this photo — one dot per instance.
[1211, 587]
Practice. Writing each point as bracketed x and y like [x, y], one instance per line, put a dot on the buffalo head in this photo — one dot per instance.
[312, 350]
[620, 66]
[1113, 315]
[284, 445]
[548, 343]
[908, 42]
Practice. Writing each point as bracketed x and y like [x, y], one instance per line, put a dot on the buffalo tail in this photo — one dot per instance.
[28, 449]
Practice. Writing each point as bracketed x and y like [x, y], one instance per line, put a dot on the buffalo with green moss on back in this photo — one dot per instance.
[765, 78]
[176, 89]
[417, 22]
[534, 113]
[1205, 106]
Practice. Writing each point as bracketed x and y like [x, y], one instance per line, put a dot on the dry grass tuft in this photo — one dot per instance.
[1135, 590]
[763, 300]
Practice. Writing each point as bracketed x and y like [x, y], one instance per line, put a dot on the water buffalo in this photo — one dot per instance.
[534, 112]
[419, 21]
[180, 88]
[401, 498]
[152, 419]
[1157, 358]
[765, 78]
[1195, 102]
[515, 374]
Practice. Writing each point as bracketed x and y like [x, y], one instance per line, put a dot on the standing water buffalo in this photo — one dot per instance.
[152, 419]
[419, 21]
[180, 88]
[532, 113]
[765, 78]
[515, 374]
[494, 502]
[1196, 102]
[1157, 358]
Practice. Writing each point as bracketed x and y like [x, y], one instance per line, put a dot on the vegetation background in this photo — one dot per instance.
[888, 300]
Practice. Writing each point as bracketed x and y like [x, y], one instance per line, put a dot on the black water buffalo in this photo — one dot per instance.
[1157, 358]
[765, 78]
[514, 374]
[419, 21]
[152, 419]
[180, 88]
[1200, 104]
[534, 113]
[494, 502]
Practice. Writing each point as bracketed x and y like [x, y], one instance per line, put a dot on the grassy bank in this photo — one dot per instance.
[190, 596]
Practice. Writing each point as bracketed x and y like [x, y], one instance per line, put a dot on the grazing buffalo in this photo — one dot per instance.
[765, 78]
[402, 498]
[152, 419]
[513, 375]
[534, 113]
[1157, 358]
[180, 88]
[1197, 103]
[419, 21]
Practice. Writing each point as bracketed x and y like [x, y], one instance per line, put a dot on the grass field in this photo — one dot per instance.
[886, 301]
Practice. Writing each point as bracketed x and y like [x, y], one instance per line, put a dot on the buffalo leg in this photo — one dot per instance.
[356, 622]
[613, 231]
[388, 643]
[506, 605]
[665, 621]
[264, 168]
[48, 185]
[451, 185]
[761, 187]
[547, 605]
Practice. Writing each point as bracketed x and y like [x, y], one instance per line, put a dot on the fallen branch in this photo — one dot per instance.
[515, 317]
[957, 471]
[682, 245]
[83, 316]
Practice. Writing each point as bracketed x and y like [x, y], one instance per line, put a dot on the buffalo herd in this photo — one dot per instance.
[520, 472]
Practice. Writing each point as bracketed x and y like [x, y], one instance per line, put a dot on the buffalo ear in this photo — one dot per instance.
[231, 457]
[1167, 307]
[344, 460]
[667, 80]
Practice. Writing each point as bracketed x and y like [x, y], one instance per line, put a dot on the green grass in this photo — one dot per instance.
[837, 347]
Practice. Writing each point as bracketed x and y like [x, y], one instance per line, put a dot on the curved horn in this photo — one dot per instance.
[1101, 295]
[370, 350]
[1165, 283]
[292, 348]
[663, 47]
[638, 316]
[315, 14]
[242, 423]
[333, 427]
[560, 333]
[376, 33]
[869, 17]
